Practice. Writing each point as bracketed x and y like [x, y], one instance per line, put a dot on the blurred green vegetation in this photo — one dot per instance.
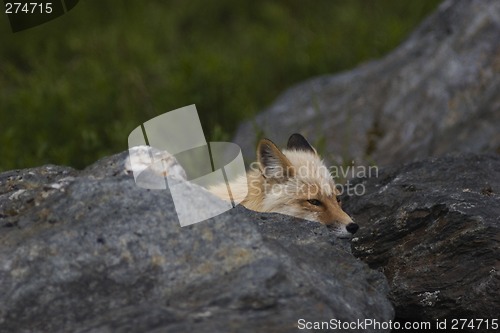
[71, 90]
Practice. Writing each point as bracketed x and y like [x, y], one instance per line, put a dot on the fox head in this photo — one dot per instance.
[296, 182]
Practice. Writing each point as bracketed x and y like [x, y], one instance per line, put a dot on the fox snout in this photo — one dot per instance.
[343, 229]
[295, 182]
[352, 227]
[336, 219]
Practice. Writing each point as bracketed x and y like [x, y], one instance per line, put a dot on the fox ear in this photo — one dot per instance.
[273, 163]
[298, 142]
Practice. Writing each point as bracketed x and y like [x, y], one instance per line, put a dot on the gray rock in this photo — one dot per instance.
[438, 92]
[89, 251]
[433, 228]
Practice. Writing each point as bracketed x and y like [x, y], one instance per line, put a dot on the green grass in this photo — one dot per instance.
[71, 90]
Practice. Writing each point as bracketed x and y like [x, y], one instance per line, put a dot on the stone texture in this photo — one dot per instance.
[433, 228]
[438, 92]
[89, 251]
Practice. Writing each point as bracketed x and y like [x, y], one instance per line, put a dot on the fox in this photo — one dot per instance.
[293, 181]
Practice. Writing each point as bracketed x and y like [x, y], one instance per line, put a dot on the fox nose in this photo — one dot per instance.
[352, 227]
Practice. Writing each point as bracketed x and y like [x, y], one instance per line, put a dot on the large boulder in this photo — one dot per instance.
[91, 251]
[438, 92]
[433, 228]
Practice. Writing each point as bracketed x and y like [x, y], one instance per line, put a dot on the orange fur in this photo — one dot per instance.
[294, 182]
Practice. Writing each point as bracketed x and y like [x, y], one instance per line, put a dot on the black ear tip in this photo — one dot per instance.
[298, 142]
[296, 137]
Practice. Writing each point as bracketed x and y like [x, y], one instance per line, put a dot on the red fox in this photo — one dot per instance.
[294, 182]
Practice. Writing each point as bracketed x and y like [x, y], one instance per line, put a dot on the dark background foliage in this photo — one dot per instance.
[71, 90]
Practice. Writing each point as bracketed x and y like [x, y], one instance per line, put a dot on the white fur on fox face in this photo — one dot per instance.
[340, 231]
[274, 203]
[294, 182]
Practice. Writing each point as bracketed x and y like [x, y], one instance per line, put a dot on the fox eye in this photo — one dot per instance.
[314, 202]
